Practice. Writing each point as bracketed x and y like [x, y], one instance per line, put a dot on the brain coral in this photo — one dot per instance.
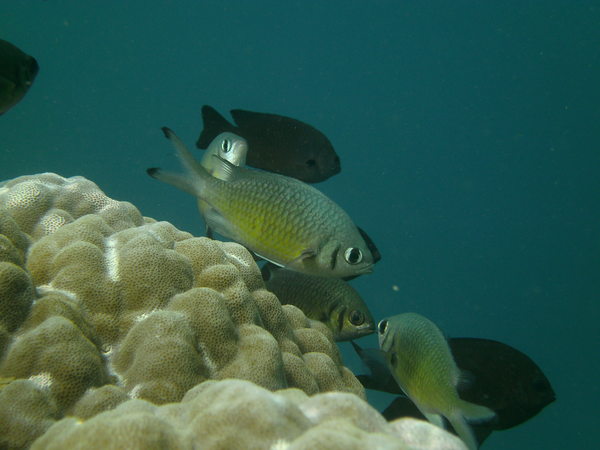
[105, 313]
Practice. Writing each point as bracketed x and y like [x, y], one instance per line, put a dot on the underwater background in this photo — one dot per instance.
[468, 133]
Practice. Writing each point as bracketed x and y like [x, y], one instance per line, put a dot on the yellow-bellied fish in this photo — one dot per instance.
[17, 72]
[423, 366]
[330, 300]
[227, 146]
[279, 218]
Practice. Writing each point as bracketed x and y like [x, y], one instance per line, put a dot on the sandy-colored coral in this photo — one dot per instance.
[99, 304]
[231, 414]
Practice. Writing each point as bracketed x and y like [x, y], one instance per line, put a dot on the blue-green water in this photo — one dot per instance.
[468, 132]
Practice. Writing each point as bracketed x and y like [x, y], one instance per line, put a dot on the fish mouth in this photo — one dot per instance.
[366, 269]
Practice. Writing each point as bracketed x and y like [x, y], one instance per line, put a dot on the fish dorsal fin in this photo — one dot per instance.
[370, 245]
[214, 124]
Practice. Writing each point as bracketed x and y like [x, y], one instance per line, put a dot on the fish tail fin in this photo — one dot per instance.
[194, 178]
[214, 124]
[180, 181]
[469, 412]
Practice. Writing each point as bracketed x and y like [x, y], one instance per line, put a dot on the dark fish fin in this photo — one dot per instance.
[370, 244]
[504, 379]
[213, 125]
[256, 257]
[402, 407]
[244, 118]
[209, 232]
[381, 378]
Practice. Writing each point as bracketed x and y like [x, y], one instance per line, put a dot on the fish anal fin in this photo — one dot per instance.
[476, 413]
[435, 419]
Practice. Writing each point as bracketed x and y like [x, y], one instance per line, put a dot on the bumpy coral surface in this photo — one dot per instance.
[236, 414]
[105, 314]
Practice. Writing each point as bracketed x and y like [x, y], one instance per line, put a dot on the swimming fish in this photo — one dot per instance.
[17, 72]
[227, 146]
[329, 300]
[501, 377]
[421, 363]
[234, 148]
[280, 219]
[277, 143]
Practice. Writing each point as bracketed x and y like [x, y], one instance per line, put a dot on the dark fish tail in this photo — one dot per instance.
[214, 124]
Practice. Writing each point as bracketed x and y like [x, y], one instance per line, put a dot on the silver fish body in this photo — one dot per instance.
[229, 147]
[281, 219]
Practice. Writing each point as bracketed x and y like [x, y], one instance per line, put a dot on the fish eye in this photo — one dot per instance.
[226, 145]
[311, 163]
[353, 255]
[356, 317]
[382, 327]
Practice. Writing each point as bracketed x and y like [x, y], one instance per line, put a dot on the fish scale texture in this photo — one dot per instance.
[105, 315]
[316, 214]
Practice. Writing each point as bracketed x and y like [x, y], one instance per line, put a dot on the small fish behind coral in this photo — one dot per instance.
[330, 300]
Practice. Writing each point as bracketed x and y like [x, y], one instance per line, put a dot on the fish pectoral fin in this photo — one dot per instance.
[219, 224]
[306, 254]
